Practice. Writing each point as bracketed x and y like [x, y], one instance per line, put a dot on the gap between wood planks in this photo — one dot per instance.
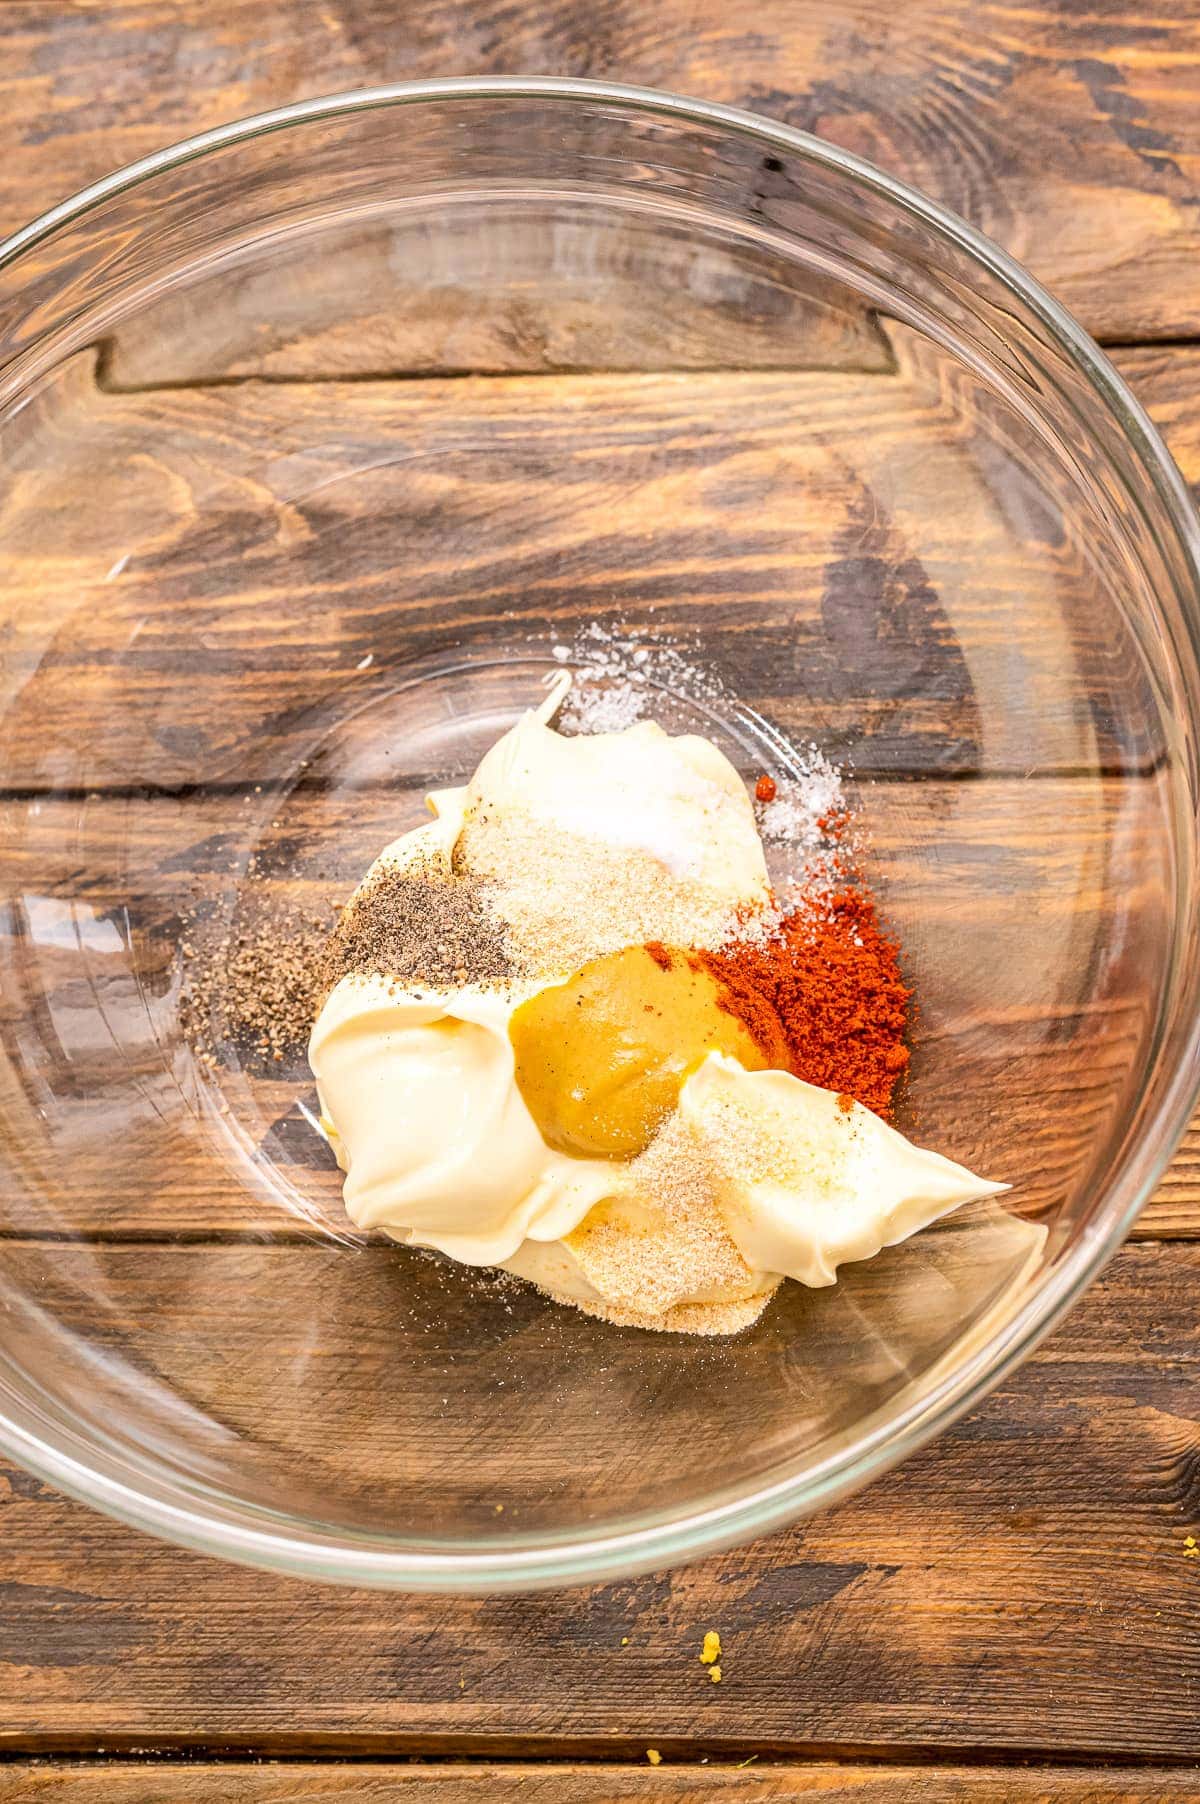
[299, 1237]
[107, 384]
[189, 792]
[697, 1760]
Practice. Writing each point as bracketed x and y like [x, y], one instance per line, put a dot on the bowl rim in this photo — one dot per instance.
[569, 1557]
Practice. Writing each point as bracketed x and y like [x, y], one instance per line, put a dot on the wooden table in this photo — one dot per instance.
[1012, 1614]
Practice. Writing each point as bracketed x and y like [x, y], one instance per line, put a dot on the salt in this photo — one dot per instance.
[609, 710]
[799, 814]
[616, 669]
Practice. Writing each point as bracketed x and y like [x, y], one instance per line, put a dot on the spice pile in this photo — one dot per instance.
[255, 986]
[259, 985]
[563, 856]
[831, 979]
[421, 925]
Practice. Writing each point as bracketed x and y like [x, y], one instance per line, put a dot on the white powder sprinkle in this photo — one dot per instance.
[801, 803]
[615, 667]
[804, 857]
[674, 1245]
[609, 710]
[617, 670]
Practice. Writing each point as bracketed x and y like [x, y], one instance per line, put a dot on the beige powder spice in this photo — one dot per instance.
[568, 899]
[682, 1250]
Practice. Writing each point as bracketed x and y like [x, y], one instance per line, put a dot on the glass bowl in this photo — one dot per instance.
[318, 435]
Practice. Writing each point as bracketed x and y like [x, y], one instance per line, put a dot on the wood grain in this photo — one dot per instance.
[1166, 380]
[751, 1782]
[196, 576]
[1072, 136]
[1174, 1209]
[1020, 1585]
[1027, 1045]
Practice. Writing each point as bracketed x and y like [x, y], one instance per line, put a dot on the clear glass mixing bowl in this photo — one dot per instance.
[317, 434]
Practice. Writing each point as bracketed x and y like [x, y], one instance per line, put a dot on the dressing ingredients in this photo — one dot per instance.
[628, 1074]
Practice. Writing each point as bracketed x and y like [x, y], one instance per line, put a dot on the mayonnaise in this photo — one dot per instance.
[806, 1182]
[420, 1104]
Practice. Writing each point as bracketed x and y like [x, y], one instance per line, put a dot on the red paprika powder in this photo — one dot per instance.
[830, 978]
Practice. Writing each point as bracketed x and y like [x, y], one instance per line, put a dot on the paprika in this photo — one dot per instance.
[830, 977]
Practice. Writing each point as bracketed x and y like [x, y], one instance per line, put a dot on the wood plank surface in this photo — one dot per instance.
[1072, 136]
[1026, 1586]
[364, 1387]
[1021, 825]
[349, 549]
[755, 1782]
[1023, 1585]
[267, 539]
[1024, 1047]
[196, 576]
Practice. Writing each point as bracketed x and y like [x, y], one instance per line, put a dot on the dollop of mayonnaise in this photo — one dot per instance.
[807, 1181]
[802, 1182]
[641, 792]
[420, 1103]
[609, 840]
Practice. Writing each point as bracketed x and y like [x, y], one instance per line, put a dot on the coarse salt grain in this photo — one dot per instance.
[614, 668]
[609, 710]
[802, 804]
[808, 832]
